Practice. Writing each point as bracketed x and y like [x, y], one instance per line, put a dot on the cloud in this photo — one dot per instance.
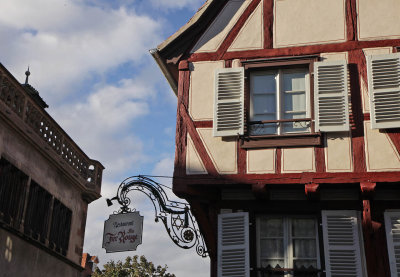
[89, 60]
[66, 41]
[178, 4]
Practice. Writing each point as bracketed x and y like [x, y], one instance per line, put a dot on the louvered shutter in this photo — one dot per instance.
[233, 245]
[341, 234]
[392, 225]
[331, 96]
[384, 90]
[228, 103]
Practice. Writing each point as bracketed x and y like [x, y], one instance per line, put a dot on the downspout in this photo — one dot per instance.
[161, 63]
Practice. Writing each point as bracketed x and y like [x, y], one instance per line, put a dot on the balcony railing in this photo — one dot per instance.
[16, 100]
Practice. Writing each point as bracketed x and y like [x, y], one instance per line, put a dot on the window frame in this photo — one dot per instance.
[287, 238]
[311, 138]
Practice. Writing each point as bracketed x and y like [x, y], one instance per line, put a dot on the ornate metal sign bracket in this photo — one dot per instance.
[176, 216]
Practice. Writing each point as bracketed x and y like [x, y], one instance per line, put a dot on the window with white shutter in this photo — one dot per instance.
[228, 102]
[331, 96]
[287, 246]
[279, 101]
[233, 245]
[392, 225]
[344, 255]
[384, 90]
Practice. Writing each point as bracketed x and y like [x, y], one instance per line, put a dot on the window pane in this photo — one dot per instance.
[305, 263]
[303, 227]
[263, 129]
[271, 227]
[294, 81]
[304, 248]
[295, 102]
[271, 248]
[264, 106]
[263, 83]
[273, 263]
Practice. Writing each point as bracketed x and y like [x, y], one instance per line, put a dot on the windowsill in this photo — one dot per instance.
[289, 140]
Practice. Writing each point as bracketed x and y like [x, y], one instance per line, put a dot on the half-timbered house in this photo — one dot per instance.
[288, 134]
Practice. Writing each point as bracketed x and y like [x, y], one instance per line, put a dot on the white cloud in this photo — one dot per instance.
[75, 44]
[178, 4]
[65, 41]
[102, 123]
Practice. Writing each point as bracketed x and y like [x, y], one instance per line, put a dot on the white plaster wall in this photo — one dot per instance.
[261, 161]
[251, 36]
[338, 152]
[223, 23]
[201, 94]
[380, 153]
[194, 164]
[378, 19]
[303, 22]
[364, 83]
[223, 153]
[335, 56]
[296, 160]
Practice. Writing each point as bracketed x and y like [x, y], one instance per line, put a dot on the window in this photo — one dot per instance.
[60, 227]
[283, 102]
[13, 183]
[49, 226]
[280, 102]
[38, 213]
[289, 243]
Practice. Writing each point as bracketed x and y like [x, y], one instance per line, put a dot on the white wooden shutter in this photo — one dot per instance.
[229, 102]
[233, 245]
[343, 254]
[384, 90]
[392, 225]
[331, 96]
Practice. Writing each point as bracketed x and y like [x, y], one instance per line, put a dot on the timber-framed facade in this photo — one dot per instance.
[288, 133]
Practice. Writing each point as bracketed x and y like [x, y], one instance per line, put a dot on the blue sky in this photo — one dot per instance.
[89, 60]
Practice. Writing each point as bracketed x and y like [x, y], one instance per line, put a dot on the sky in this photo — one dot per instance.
[89, 60]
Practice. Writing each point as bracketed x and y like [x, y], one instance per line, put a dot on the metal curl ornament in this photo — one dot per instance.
[177, 218]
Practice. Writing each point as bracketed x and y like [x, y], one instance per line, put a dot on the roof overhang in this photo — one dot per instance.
[170, 52]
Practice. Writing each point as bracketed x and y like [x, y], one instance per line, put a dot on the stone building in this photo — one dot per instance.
[46, 184]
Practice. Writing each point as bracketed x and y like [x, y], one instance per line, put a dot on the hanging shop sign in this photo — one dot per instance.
[123, 229]
[123, 232]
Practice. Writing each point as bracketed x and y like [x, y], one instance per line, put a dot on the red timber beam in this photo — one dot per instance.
[295, 51]
[180, 137]
[311, 191]
[351, 20]
[294, 178]
[236, 28]
[356, 66]
[367, 192]
[268, 24]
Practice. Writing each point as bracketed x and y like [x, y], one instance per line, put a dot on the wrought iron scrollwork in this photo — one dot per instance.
[176, 216]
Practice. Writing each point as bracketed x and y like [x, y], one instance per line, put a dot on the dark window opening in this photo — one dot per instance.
[60, 227]
[13, 183]
[37, 213]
